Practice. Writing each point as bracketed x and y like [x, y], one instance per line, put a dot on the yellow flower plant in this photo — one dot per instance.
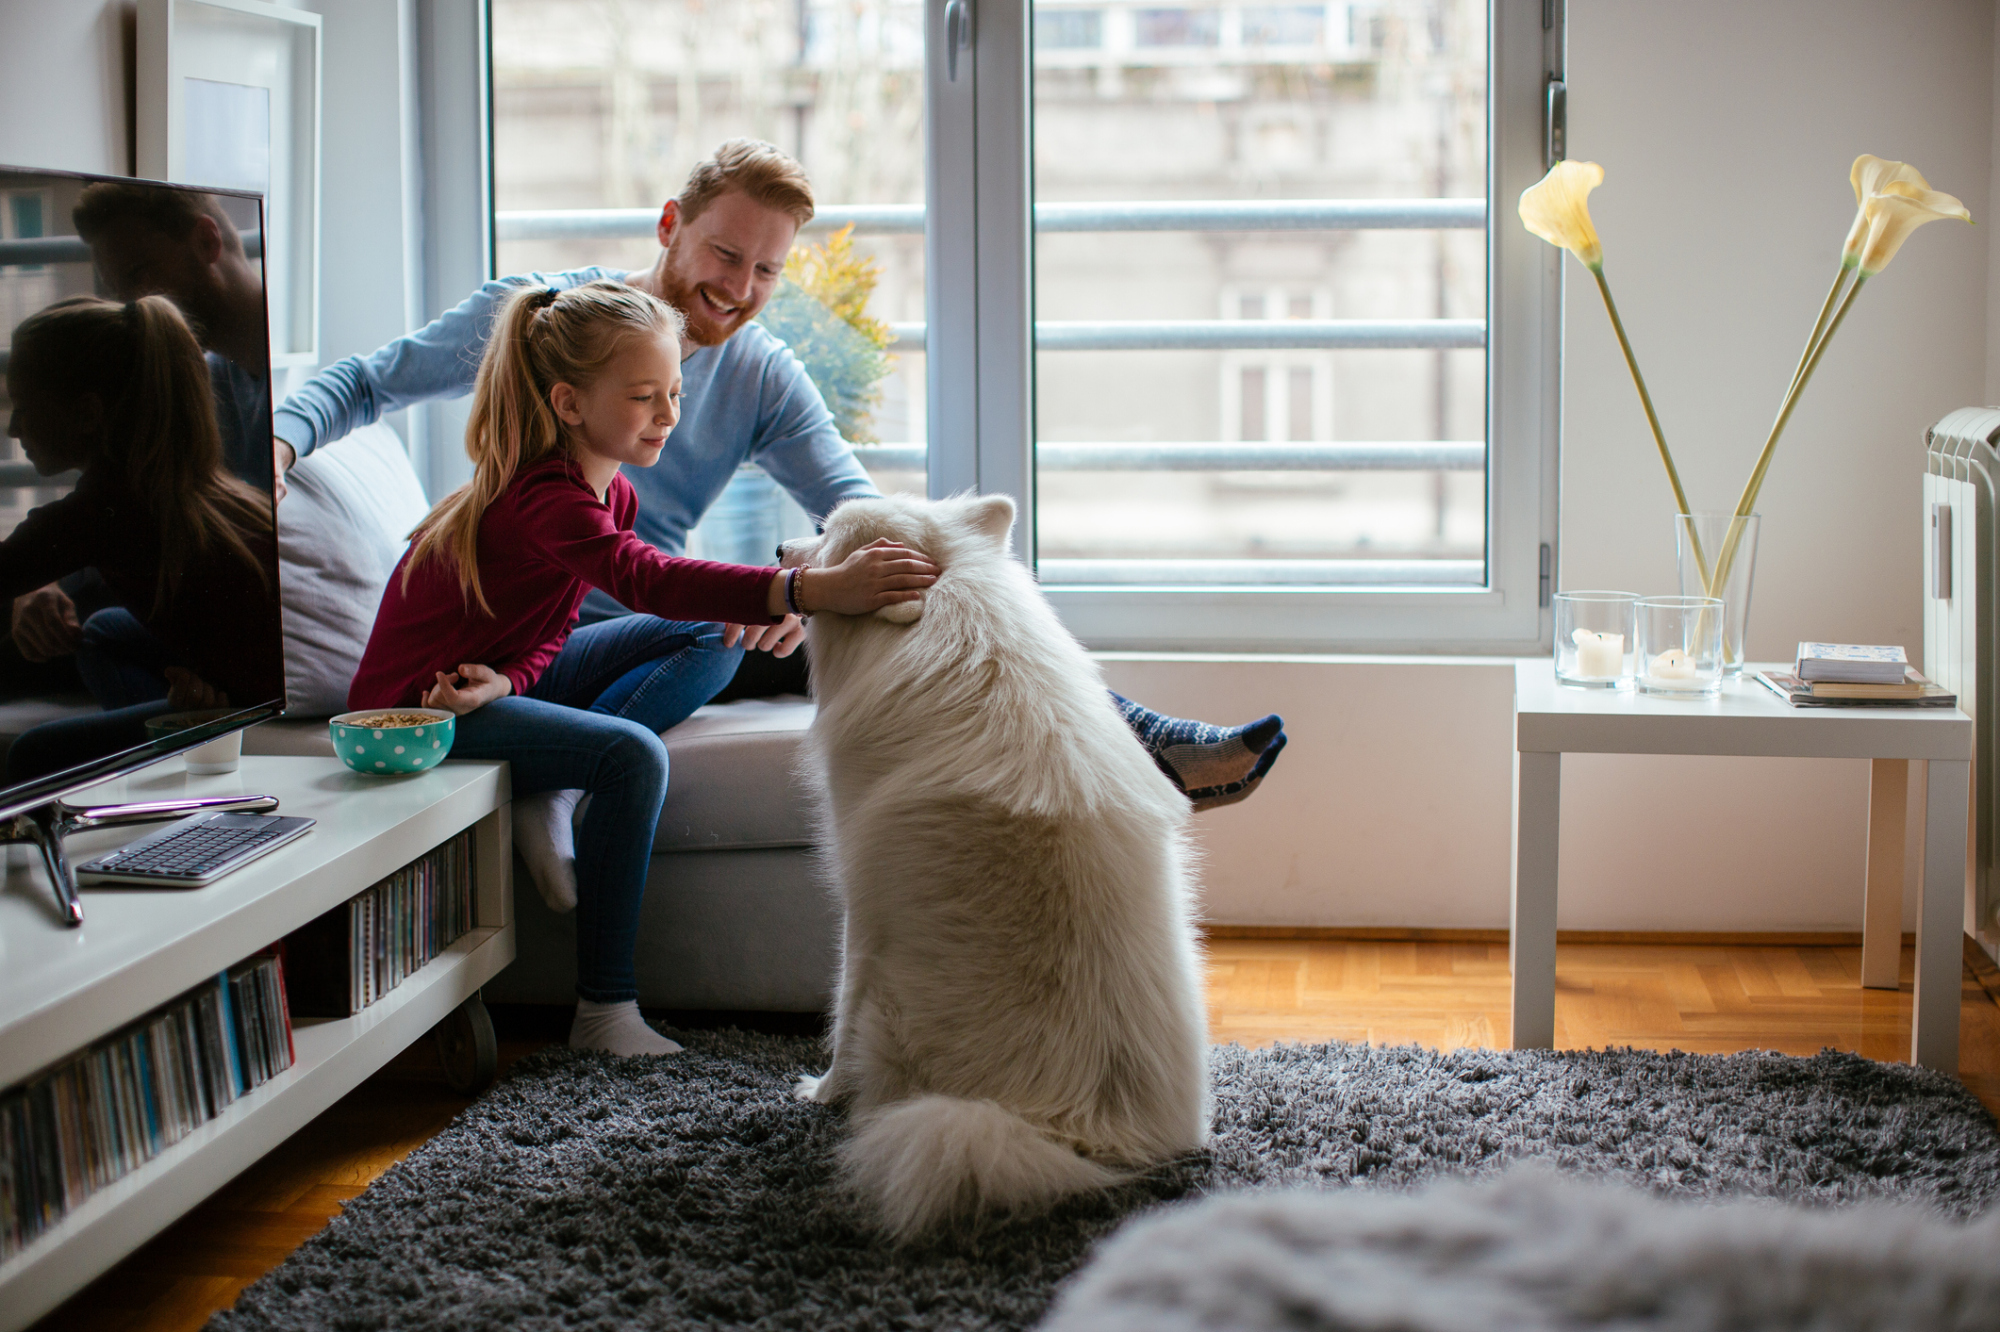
[1892, 199]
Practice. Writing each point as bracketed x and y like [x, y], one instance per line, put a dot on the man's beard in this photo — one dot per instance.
[702, 331]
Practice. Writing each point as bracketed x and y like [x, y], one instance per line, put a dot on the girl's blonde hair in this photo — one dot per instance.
[542, 338]
[140, 360]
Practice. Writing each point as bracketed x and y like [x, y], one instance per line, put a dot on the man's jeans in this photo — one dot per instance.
[120, 660]
[592, 722]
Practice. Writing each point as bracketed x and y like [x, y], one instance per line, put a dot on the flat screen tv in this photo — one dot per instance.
[138, 545]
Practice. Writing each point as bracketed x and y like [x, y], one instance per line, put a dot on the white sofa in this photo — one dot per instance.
[735, 916]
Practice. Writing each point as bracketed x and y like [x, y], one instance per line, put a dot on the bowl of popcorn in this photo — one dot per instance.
[392, 742]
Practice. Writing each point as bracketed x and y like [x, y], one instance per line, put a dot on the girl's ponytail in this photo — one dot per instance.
[174, 456]
[543, 337]
[511, 427]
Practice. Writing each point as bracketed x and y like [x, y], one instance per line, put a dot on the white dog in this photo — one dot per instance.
[1019, 1014]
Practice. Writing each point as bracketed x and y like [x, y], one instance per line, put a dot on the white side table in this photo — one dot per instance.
[1551, 720]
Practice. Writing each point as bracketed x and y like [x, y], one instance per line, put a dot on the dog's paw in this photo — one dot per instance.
[807, 1089]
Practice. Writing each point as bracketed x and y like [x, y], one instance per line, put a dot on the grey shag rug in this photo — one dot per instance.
[589, 1192]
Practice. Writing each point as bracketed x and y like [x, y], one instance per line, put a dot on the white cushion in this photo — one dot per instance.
[732, 778]
[340, 532]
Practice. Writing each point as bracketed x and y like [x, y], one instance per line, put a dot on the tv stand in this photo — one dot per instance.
[62, 990]
[46, 826]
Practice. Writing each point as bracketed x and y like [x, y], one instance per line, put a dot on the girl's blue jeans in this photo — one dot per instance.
[592, 722]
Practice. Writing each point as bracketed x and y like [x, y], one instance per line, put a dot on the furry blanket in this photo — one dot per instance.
[1533, 1249]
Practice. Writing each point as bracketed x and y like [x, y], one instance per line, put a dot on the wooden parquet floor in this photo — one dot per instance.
[1696, 997]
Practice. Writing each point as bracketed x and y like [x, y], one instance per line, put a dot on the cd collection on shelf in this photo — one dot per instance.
[356, 953]
[106, 1111]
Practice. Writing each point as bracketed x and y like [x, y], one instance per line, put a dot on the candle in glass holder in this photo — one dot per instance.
[1673, 664]
[1599, 656]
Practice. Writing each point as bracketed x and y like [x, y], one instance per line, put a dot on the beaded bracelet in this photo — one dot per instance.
[792, 592]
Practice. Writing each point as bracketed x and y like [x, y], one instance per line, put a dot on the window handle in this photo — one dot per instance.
[957, 34]
[1555, 123]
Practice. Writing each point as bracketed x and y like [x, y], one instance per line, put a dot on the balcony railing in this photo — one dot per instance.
[1222, 456]
[1226, 215]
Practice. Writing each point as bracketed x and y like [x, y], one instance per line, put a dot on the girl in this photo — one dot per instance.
[573, 385]
[120, 392]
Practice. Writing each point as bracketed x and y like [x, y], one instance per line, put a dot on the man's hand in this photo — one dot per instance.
[187, 690]
[45, 624]
[780, 640]
[283, 456]
[468, 689]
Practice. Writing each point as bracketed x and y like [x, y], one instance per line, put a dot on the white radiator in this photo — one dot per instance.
[1962, 617]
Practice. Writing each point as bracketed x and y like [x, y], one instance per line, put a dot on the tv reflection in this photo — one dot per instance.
[158, 570]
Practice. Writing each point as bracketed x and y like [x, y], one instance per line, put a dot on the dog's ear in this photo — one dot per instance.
[992, 515]
[902, 612]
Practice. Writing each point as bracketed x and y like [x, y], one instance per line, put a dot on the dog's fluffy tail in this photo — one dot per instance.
[932, 1159]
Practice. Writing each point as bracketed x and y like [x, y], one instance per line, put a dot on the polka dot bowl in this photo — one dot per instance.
[392, 751]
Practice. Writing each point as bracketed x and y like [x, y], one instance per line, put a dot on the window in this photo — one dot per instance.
[1211, 289]
[1264, 399]
[599, 112]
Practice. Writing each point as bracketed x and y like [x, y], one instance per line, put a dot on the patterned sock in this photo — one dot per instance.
[544, 834]
[1211, 765]
[1214, 797]
[616, 1029]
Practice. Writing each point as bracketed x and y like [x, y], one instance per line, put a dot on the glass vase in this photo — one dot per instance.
[1708, 544]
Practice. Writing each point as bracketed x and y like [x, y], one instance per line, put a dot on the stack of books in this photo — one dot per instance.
[1850, 675]
[116, 1105]
[367, 946]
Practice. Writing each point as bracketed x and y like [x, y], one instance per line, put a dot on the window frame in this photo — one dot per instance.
[979, 250]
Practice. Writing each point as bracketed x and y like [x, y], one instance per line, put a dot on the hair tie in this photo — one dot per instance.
[544, 298]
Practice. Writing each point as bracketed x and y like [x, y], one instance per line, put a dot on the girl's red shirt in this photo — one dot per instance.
[543, 545]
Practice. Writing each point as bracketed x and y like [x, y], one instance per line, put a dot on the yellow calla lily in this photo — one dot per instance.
[1898, 209]
[1557, 209]
[1870, 176]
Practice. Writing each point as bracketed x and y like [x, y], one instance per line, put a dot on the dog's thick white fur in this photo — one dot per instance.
[1019, 1016]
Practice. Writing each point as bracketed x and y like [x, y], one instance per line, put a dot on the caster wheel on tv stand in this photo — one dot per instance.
[467, 1048]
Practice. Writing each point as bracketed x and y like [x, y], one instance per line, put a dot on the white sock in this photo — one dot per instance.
[544, 836]
[616, 1029]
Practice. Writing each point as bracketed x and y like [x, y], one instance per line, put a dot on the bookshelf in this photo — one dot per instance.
[62, 988]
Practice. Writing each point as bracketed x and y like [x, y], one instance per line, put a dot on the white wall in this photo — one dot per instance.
[1726, 130]
[65, 85]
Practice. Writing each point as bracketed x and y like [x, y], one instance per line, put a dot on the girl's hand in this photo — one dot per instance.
[780, 640]
[879, 574]
[468, 689]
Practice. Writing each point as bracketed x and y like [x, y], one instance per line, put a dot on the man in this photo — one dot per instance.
[745, 398]
[181, 244]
